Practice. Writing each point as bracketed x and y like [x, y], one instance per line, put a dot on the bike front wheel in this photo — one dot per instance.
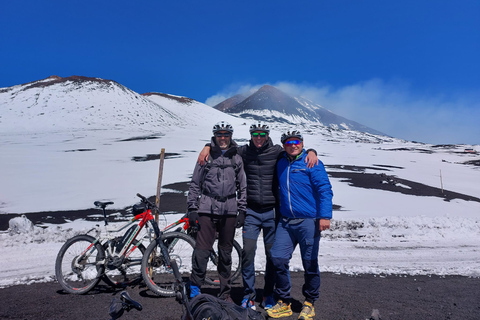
[79, 264]
[123, 271]
[157, 272]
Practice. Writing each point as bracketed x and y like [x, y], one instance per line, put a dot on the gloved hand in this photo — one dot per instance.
[240, 219]
[193, 218]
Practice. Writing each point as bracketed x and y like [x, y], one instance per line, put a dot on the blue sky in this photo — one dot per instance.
[408, 68]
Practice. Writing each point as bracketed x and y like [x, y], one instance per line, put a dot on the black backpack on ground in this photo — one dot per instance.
[205, 306]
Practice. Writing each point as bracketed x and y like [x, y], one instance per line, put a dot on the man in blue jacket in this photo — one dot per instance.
[306, 209]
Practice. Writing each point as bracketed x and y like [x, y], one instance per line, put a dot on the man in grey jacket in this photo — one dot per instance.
[217, 200]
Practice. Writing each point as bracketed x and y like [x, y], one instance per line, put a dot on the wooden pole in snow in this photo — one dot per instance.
[441, 181]
[159, 184]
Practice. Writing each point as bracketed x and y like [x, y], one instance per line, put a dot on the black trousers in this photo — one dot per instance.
[209, 225]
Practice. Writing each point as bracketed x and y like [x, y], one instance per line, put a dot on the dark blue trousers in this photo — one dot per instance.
[307, 235]
[256, 222]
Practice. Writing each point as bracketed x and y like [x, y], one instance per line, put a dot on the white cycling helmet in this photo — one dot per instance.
[291, 134]
[259, 126]
[222, 126]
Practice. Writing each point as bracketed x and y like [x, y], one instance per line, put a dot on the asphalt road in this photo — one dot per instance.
[342, 297]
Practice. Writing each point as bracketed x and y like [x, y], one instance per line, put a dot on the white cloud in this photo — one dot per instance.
[230, 91]
[391, 107]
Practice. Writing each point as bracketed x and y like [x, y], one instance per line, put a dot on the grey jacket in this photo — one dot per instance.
[219, 187]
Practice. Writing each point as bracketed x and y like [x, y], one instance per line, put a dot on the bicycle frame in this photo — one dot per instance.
[144, 218]
[184, 228]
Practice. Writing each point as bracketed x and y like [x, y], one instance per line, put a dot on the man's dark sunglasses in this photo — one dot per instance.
[259, 134]
[223, 134]
[292, 142]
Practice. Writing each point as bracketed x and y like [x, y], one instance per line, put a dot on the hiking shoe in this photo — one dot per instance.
[246, 303]
[308, 311]
[194, 291]
[280, 310]
[268, 302]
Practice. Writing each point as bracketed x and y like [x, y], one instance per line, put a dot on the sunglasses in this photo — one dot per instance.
[223, 134]
[259, 134]
[292, 142]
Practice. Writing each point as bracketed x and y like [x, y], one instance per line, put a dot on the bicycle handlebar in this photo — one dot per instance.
[144, 199]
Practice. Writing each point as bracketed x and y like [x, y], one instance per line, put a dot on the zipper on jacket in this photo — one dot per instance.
[288, 188]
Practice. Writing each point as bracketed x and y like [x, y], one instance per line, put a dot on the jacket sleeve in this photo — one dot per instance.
[195, 189]
[323, 188]
[242, 186]
[242, 150]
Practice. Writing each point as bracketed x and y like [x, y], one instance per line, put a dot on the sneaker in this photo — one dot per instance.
[268, 302]
[308, 311]
[194, 291]
[248, 304]
[280, 310]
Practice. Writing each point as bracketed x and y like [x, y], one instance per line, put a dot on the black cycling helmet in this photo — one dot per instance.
[259, 126]
[222, 126]
[291, 134]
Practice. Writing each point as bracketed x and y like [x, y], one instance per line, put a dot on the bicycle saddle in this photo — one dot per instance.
[101, 204]
[128, 302]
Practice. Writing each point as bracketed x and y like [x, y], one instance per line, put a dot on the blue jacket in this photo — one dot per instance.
[304, 193]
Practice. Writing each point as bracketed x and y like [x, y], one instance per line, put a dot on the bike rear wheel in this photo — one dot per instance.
[79, 265]
[212, 273]
[158, 275]
[128, 271]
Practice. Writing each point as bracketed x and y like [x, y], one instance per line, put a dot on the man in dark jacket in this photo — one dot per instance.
[217, 203]
[306, 209]
[259, 158]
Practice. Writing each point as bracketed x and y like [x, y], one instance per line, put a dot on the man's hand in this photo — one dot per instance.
[203, 156]
[324, 224]
[311, 159]
[193, 219]
[240, 219]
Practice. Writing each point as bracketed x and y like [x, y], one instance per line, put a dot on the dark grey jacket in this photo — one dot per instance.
[219, 187]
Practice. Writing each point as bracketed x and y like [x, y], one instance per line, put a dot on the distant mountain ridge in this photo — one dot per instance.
[95, 104]
[272, 105]
[79, 102]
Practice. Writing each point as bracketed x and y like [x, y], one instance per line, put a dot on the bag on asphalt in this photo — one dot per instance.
[205, 306]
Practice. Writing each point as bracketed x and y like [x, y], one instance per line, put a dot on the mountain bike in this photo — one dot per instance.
[84, 260]
[183, 225]
[153, 271]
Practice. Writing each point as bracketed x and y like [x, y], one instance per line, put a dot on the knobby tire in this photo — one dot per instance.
[158, 275]
[77, 274]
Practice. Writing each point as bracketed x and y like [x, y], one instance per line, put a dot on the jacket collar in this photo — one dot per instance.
[301, 155]
[215, 150]
[268, 143]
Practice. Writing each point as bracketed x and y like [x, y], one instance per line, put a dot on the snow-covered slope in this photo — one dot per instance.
[190, 111]
[76, 102]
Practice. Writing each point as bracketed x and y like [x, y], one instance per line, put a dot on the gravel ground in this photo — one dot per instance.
[342, 297]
